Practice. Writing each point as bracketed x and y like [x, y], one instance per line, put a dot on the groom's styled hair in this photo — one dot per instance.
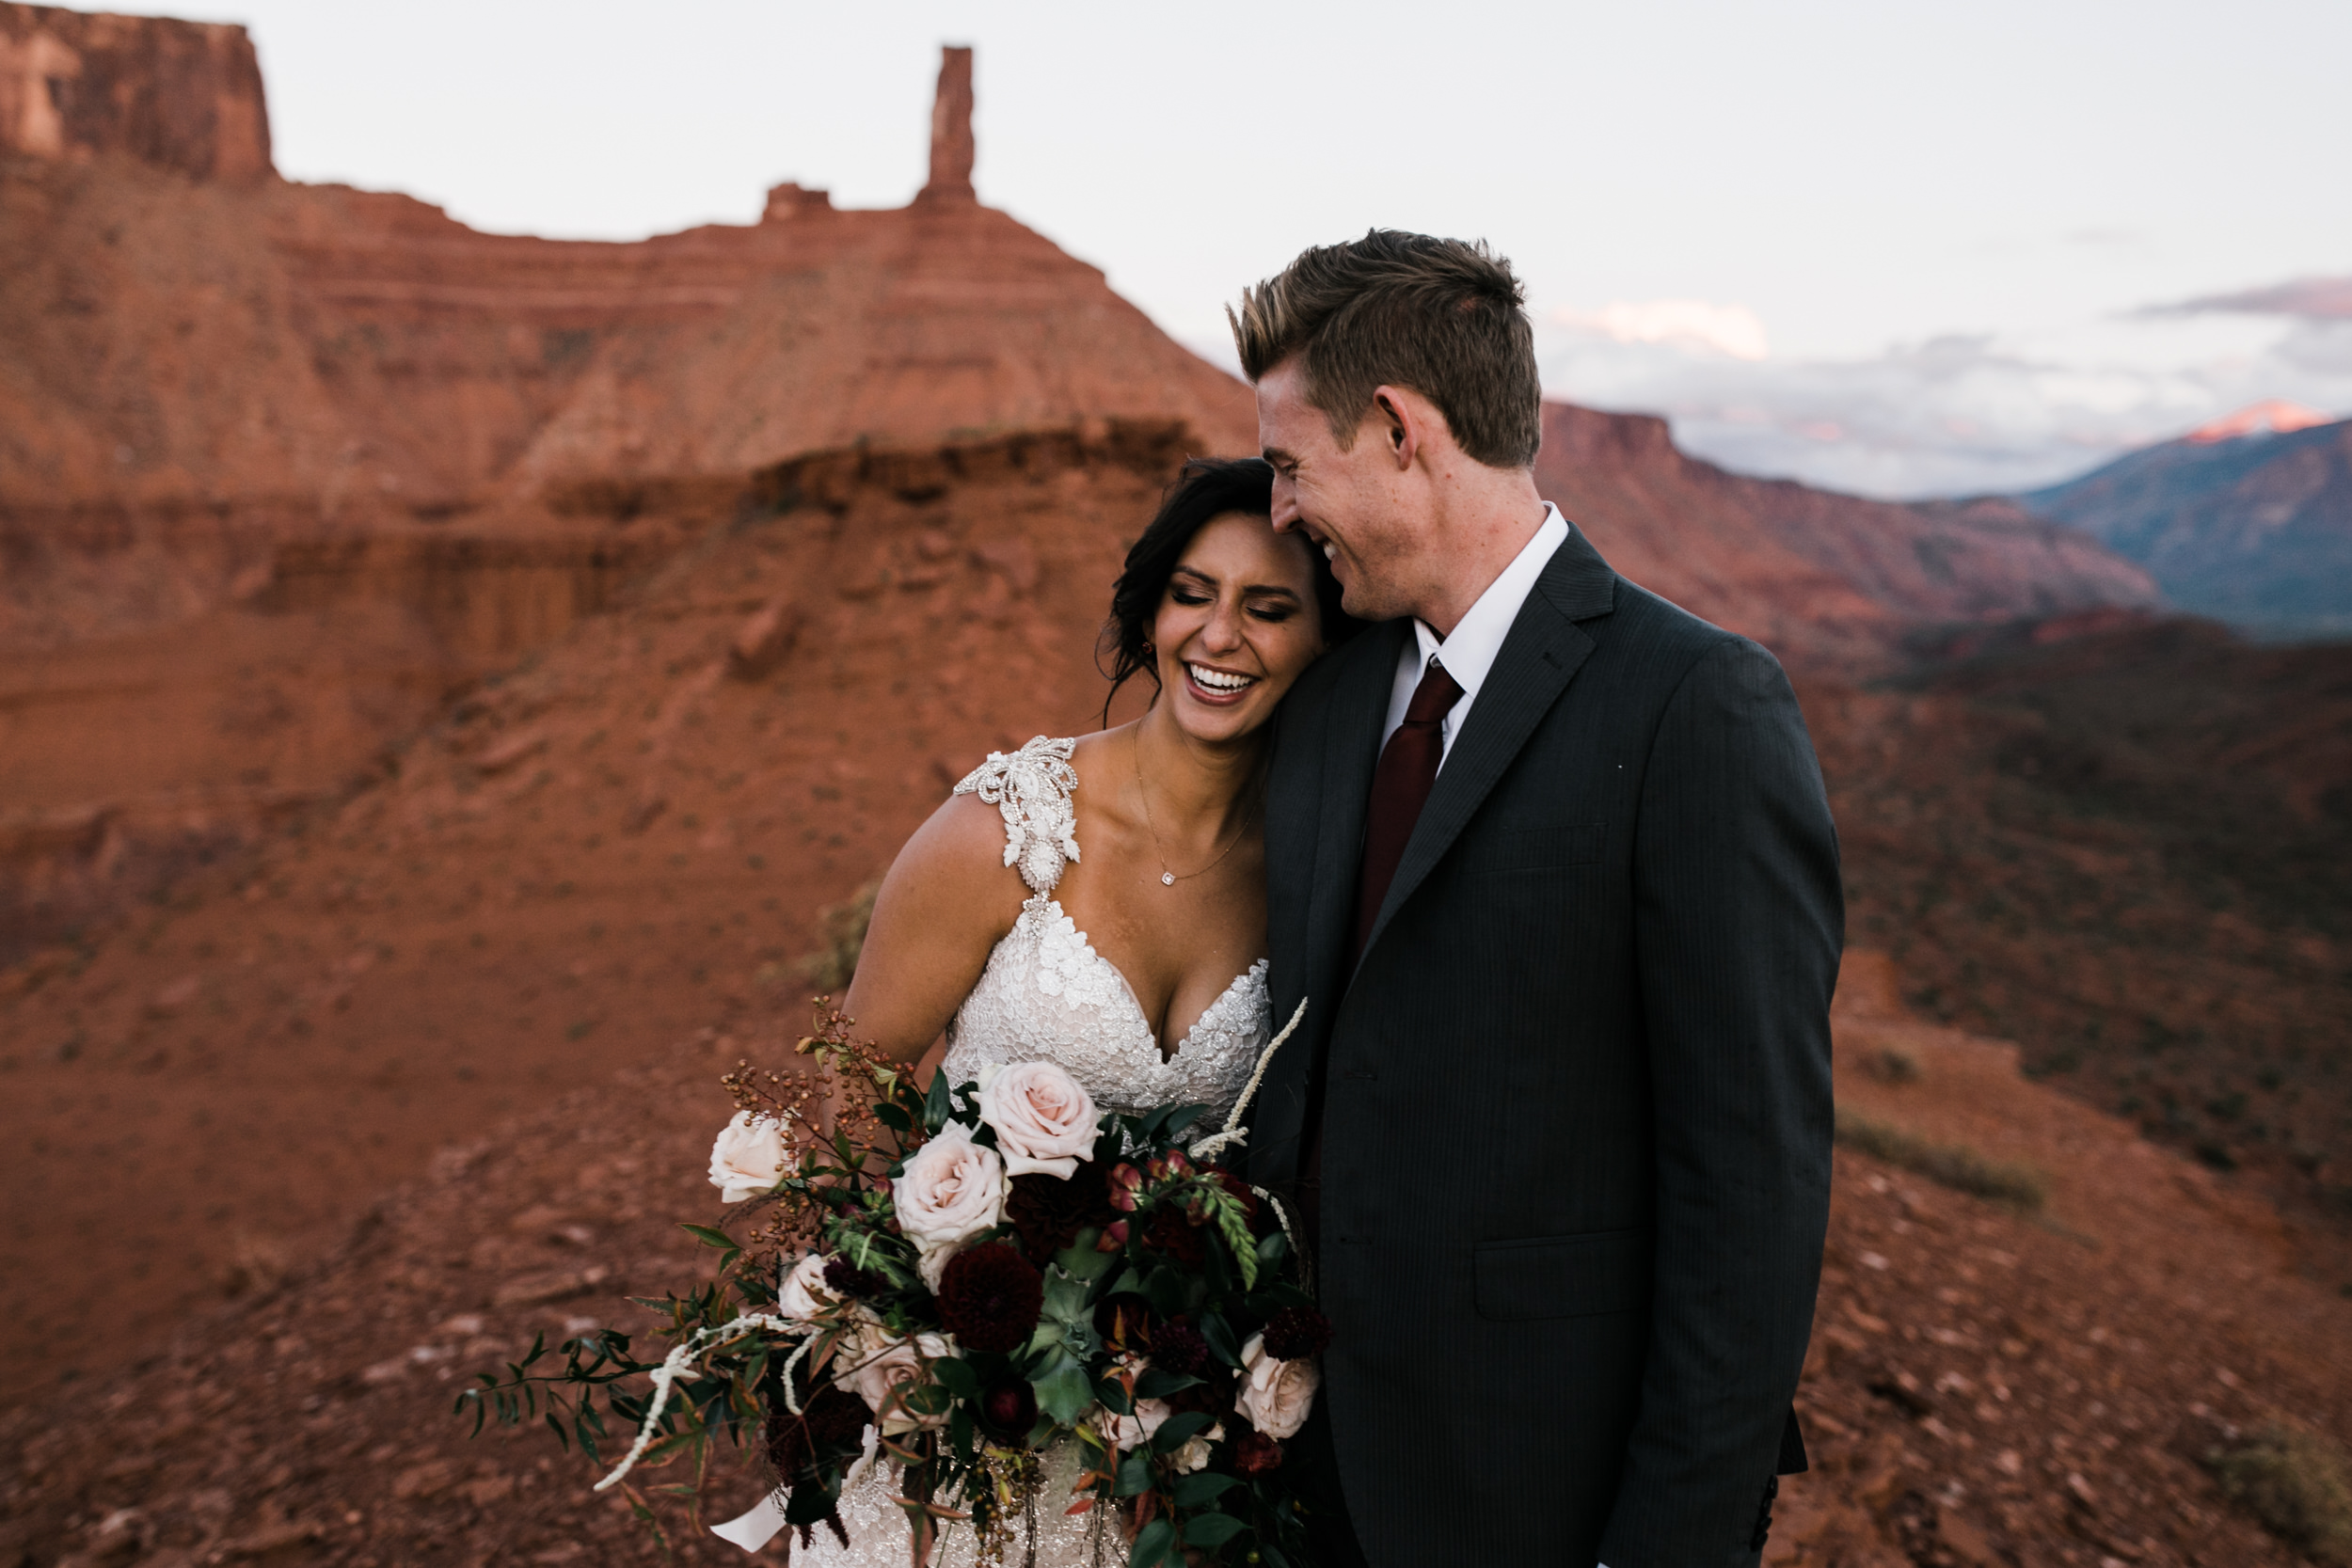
[1443, 317]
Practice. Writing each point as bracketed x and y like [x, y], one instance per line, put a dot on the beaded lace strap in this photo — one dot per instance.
[1030, 789]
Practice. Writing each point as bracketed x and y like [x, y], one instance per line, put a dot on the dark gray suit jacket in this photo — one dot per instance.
[1577, 1131]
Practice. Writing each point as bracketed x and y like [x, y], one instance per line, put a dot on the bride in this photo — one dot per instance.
[1101, 902]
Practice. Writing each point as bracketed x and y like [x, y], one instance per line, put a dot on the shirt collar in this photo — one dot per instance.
[1477, 639]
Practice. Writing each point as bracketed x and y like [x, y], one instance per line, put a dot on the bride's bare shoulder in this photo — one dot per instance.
[961, 844]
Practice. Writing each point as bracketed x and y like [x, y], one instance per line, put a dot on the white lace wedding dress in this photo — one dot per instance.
[1046, 993]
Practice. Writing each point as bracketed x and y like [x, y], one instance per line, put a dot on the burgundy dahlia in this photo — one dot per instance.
[829, 1418]
[844, 1278]
[1178, 1347]
[1169, 1233]
[990, 1296]
[1256, 1454]
[1296, 1333]
[1047, 1212]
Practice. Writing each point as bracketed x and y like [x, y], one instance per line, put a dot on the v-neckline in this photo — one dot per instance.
[1135, 1001]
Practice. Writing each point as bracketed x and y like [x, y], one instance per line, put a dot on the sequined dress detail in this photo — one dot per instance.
[1046, 994]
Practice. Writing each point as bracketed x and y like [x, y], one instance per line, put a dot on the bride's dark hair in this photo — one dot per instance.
[1203, 489]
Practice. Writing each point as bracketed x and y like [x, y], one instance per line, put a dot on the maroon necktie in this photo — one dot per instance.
[1400, 787]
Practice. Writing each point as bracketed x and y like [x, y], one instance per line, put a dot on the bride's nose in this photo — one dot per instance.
[1223, 632]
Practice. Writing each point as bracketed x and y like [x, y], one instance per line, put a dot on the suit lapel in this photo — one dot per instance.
[1345, 746]
[1538, 660]
[1359, 706]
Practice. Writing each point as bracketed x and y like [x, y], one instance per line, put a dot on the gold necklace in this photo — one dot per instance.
[1168, 878]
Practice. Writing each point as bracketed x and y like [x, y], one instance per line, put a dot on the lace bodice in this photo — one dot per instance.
[1047, 993]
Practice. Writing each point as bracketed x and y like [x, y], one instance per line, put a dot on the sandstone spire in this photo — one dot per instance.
[951, 129]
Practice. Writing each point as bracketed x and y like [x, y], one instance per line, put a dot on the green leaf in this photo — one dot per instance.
[1065, 1395]
[1112, 1396]
[709, 1235]
[1153, 1546]
[1200, 1489]
[935, 1103]
[1179, 1429]
[1212, 1530]
[956, 1377]
[1180, 1117]
[959, 1432]
[1157, 1383]
[1135, 1475]
[893, 1117]
[1221, 1338]
[1081, 1261]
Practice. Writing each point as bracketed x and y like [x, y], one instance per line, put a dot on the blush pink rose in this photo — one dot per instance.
[951, 1191]
[883, 1371]
[802, 1294]
[1275, 1395]
[1044, 1119]
[748, 1159]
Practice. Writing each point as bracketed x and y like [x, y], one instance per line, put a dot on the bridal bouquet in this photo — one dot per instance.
[946, 1283]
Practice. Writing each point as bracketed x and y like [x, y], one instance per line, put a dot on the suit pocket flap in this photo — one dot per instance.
[1563, 1277]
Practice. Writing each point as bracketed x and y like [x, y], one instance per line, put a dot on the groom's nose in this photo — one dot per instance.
[1285, 511]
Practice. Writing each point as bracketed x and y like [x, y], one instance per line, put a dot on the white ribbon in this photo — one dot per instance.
[762, 1525]
[755, 1529]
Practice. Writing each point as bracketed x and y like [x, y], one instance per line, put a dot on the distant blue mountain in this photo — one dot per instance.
[2248, 520]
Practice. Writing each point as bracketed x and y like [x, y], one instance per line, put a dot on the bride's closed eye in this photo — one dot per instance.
[1274, 611]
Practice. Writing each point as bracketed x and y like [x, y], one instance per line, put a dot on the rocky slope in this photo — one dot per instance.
[576, 860]
[1823, 579]
[1986, 1386]
[2249, 520]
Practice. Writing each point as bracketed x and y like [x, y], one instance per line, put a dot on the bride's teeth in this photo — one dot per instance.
[1217, 680]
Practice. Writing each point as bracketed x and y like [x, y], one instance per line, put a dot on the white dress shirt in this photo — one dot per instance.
[1471, 651]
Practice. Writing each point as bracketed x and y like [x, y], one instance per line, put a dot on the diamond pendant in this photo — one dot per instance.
[1167, 879]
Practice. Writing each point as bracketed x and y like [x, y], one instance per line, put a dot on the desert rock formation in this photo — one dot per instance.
[1825, 580]
[184, 96]
[2248, 519]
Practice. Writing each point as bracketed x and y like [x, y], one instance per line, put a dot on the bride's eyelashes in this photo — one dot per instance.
[1273, 613]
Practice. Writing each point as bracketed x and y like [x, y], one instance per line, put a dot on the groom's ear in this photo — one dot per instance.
[1402, 422]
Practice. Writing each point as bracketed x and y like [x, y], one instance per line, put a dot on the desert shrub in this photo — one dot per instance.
[841, 936]
[1892, 1064]
[1955, 1166]
[2297, 1483]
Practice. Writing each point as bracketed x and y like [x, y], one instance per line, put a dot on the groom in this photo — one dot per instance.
[1551, 861]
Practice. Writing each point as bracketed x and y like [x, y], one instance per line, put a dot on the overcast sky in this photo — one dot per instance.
[1893, 248]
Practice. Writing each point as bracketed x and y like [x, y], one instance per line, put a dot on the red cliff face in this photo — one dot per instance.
[186, 96]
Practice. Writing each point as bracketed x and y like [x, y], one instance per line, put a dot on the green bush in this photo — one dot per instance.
[2297, 1483]
[2017, 1186]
